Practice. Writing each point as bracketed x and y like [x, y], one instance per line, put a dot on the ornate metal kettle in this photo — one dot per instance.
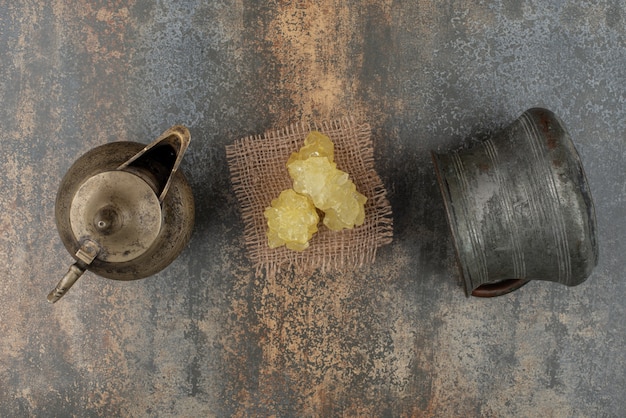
[519, 207]
[124, 211]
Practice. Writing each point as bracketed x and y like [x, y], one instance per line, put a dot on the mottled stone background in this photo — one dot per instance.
[205, 337]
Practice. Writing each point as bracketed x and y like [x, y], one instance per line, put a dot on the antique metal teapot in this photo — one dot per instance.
[124, 211]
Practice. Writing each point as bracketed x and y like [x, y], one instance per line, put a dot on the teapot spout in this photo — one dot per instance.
[162, 157]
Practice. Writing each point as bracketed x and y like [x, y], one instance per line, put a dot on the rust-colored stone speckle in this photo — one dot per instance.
[205, 337]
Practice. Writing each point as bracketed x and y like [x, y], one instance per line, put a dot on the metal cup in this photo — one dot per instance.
[519, 207]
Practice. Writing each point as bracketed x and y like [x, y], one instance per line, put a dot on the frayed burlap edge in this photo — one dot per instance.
[258, 175]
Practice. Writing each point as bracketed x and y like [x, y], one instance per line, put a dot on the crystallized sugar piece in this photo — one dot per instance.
[314, 178]
[292, 221]
[317, 176]
[317, 183]
[316, 144]
[348, 209]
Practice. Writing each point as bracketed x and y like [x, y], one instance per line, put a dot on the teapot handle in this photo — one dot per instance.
[86, 254]
[74, 272]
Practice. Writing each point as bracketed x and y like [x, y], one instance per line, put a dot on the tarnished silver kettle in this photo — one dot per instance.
[519, 207]
[124, 210]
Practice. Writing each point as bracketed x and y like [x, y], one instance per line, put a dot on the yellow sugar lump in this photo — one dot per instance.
[292, 221]
[331, 191]
[316, 144]
[315, 174]
[317, 183]
[348, 212]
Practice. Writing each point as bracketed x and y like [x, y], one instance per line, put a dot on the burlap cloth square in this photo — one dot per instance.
[259, 174]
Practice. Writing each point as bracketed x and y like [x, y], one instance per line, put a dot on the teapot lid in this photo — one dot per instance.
[119, 211]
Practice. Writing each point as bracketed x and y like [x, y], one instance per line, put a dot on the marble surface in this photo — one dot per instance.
[205, 337]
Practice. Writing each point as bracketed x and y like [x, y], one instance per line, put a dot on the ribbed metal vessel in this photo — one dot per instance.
[519, 207]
